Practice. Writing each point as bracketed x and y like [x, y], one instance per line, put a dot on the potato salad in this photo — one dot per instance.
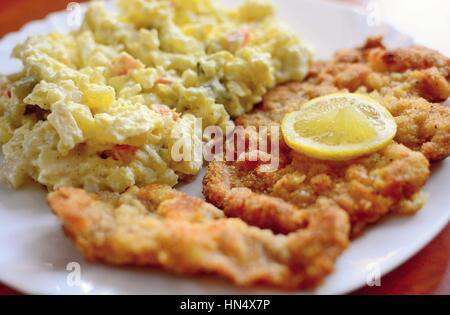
[102, 107]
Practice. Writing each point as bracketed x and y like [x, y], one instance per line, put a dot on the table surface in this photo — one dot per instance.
[428, 272]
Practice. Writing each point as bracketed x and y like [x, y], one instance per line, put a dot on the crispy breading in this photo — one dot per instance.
[158, 227]
[367, 188]
[405, 81]
[410, 82]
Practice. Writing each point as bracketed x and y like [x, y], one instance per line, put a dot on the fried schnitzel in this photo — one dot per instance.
[159, 227]
[410, 82]
[367, 188]
[407, 82]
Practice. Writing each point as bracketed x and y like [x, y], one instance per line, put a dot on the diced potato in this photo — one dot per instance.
[103, 107]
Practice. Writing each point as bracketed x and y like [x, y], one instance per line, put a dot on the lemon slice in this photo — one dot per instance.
[339, 127]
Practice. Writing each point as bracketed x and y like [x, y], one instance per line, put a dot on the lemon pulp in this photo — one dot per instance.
[339, 126]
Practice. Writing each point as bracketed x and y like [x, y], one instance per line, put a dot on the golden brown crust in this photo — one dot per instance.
[410, 82]
[159, 227]
[411, 58]
[367, 188]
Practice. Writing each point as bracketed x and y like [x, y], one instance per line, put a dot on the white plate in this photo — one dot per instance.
[35, 255]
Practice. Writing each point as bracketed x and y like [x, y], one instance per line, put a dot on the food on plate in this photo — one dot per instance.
[159, 227]
[367, 188]
[412, 83]
[339, 126]
[103, 107]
